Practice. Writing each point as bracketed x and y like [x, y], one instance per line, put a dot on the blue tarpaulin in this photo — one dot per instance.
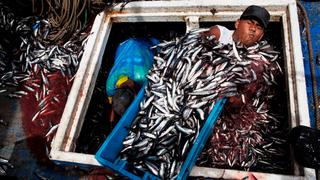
[313, 10]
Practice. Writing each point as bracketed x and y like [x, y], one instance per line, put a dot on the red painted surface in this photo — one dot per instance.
[48, 116]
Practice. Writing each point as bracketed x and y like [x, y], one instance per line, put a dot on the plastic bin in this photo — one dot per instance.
[107, 155]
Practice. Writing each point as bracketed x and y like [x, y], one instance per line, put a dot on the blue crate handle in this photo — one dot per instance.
[201, 139]
[120, 131]
[107, 154]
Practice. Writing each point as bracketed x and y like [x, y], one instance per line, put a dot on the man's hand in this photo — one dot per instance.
[214, 31]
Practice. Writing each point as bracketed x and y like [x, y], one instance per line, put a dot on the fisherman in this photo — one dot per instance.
[133, 60]
[240, 113]
[249, 29]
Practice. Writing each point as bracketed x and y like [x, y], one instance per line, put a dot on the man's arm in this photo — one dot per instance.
[214, 30]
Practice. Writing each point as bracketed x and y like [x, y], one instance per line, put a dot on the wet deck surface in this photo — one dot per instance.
[26, 154]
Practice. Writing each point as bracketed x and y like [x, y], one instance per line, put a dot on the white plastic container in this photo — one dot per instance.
[192, 12]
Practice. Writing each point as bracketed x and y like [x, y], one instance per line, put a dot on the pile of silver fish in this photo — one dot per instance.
[35, 64]
[7, 19]
[188, 76]
[248, 141]
[31, 67]
[38, 58]
[4, 165]
[253, 137]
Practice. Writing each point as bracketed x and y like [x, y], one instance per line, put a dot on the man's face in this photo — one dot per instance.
[248, 31]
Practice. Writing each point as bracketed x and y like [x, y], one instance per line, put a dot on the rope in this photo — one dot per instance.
[64, 17]
[312, 66]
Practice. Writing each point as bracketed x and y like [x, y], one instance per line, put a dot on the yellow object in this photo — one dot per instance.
[121, 80]
[110, 99]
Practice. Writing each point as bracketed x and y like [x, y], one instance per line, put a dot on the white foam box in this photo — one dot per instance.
[192, 13]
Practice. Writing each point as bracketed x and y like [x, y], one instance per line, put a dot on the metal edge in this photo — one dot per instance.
[73, 95]
[174, 16]
[299, 66]
[88, 83]
[72, 158]
[303, 109]
[199, 4]
[236, 174]
[291, 85]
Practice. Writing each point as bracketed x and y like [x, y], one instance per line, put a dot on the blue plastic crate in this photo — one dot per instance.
[107, 155]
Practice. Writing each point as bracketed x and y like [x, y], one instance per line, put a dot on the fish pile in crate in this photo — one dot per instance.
[188, 76]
